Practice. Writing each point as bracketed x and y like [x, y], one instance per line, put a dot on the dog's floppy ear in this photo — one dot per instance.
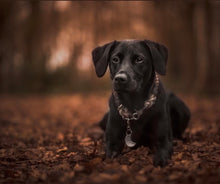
[159, 55]
[100, 57]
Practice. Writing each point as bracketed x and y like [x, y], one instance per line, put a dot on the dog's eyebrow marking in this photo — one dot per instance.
[119, 54]
[139, 55]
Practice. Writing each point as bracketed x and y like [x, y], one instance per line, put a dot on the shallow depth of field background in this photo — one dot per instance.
[51, 100]
[45, 47]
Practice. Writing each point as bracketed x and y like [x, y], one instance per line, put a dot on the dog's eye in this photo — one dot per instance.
[115, 60]
[139, 60]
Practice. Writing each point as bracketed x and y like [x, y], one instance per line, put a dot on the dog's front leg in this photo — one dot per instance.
[164, 147]
[115, 132]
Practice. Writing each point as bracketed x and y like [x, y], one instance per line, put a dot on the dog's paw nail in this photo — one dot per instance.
[160, 161]
[111, 155]
[114, 154]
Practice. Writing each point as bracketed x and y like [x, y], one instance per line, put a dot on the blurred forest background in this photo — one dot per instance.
[45, 47]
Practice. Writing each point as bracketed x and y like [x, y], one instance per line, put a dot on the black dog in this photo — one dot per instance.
[141, 111]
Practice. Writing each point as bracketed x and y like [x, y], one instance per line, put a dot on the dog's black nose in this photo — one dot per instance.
[121, 78]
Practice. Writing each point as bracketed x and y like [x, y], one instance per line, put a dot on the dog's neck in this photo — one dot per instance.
[135, 100]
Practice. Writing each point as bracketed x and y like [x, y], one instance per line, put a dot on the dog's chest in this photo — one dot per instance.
[143, 127]
[138, 129]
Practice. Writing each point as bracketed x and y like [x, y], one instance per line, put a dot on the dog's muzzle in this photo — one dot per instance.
[121, 78]
[123, 82]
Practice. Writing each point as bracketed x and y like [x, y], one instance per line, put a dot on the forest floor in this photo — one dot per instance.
[55, 139]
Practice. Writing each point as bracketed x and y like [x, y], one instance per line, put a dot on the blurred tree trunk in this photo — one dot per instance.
[72, 66]
[32, 43]
[6, 45]
[35, 54]
[201, 21]
[207, 33]
[214, 48]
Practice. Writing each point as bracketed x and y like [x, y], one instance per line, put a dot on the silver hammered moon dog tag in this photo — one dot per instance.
[128, 141]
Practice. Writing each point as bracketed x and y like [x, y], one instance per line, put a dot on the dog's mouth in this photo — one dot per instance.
[128, 87]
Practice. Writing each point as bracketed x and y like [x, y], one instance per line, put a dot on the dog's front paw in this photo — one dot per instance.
[161, 160]
[111, 154]
[113, 148]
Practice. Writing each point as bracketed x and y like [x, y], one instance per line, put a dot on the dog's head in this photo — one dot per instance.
[131, 62]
